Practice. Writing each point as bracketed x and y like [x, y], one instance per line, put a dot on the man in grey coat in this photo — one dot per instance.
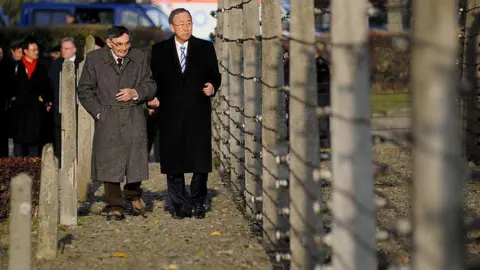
[115, 84]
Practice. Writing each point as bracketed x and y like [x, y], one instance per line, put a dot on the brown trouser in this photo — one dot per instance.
[113, 195]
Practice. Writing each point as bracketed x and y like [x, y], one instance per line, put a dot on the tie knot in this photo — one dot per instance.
[182, 48]
[119, 61]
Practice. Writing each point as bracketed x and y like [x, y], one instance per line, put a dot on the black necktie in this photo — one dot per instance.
[119, 62]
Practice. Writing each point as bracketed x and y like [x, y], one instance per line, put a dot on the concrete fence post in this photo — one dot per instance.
[68, 179]
[48, 206]
[20, 240]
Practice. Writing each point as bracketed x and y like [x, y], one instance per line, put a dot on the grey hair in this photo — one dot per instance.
[68, 39]
[176, 12]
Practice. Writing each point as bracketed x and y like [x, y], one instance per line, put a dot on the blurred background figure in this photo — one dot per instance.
[32, 86]
[55, 52]
[70, 19]
[2, 53]
[99, 43]
[68, 51]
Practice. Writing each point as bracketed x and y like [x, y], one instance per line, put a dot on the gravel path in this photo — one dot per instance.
[220, 241]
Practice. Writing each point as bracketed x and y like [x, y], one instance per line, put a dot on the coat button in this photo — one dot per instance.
[121, 107]
[123, 125]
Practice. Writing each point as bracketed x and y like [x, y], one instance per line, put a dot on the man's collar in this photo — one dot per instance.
[179, 44]
[72, 58]
[114, 55]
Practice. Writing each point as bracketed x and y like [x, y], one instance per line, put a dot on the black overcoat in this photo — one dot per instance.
[27, 111]
[184, 114]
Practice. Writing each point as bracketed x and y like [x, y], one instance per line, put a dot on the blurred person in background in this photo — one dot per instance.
[55, 52]
[31, 86]
[70, 19]
[99, 43]
[68, 51]
[2, 53]
[8, 71]
[4, 97]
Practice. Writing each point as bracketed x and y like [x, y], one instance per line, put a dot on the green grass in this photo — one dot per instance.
[382, 103]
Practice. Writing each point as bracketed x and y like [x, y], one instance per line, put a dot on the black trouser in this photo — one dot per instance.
[26, 150]
[113, 195]
[152, 136]
[57, 143]
[178, 194]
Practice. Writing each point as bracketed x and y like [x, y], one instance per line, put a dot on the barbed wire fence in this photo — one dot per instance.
[347, 207]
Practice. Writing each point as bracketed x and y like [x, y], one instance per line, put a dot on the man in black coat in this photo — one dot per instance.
[68, 51]
[8, 71]
[185, 69]
[31, 87]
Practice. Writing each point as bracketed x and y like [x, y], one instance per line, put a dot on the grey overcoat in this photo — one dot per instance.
[120, 138]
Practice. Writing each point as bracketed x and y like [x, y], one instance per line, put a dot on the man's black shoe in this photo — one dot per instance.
[181, 213]
[199, 211]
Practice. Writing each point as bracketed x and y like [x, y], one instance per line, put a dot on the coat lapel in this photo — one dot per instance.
[175, 60]
[110, 60]
[190, 53]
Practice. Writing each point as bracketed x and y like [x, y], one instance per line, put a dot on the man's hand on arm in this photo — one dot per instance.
[127, 94]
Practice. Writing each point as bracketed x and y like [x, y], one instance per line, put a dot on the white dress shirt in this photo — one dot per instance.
[72, 58]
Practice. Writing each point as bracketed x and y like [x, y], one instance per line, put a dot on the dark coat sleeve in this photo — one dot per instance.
[147, 88]
[214, 76]
[46, 88]
[54, 77]
[155, 61]
[87, 87]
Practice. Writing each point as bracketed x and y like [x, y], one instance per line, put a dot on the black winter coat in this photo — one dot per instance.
[185, 111]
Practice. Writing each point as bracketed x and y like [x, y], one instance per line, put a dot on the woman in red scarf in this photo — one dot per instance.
[32, 85]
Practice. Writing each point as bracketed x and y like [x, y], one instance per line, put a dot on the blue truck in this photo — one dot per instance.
[130, 15]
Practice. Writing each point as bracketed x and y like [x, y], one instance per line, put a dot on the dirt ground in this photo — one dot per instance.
[223, 240]
[220, 241]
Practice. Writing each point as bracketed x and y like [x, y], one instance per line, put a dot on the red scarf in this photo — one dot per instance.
[30, 66]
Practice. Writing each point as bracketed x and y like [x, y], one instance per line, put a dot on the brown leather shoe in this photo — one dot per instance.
[115, 215]
[138, 208]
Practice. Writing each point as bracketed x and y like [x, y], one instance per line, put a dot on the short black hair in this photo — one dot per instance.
[117, 31]
[16, 44]
[55, 49]
[99, 42]
[28, 41]
[176, 12]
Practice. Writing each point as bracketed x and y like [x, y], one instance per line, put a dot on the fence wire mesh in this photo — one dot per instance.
[243, 126]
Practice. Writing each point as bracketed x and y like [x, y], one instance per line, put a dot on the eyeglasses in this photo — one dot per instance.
[126, 45]
[183, 25]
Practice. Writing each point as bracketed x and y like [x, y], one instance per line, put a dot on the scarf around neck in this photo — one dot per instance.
[29, 66]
